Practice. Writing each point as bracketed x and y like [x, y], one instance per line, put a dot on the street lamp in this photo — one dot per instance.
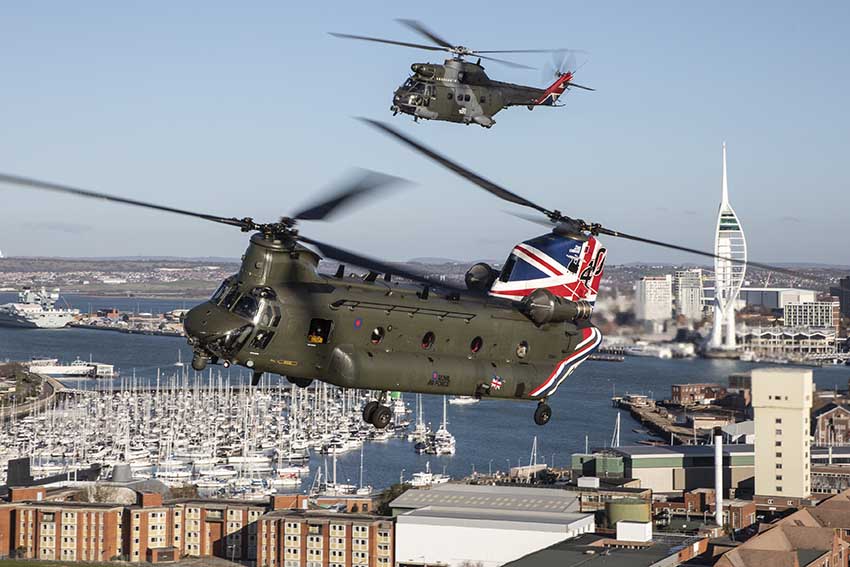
[509, 466]
[490, 468]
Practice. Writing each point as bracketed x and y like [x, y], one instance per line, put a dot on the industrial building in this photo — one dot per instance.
[780, 342]
[453, 524]
[674, 468]
[782, 402]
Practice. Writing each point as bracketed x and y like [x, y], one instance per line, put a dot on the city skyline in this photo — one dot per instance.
[190, 114]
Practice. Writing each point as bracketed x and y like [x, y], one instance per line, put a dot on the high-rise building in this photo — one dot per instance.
[654, 298]
[842, 292]
[782, 402]
[729, 268]
[687, 290]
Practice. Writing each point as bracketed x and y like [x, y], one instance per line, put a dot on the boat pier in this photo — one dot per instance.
[656, 420]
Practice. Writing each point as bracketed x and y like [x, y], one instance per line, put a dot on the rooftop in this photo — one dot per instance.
[494, 515]
[588, 550]
[491, 497]
[683, 450]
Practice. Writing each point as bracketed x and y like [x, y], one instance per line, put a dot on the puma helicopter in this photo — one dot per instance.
[460, 91]
[514, 334]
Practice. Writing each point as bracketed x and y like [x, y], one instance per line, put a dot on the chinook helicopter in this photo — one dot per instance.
[515, 334]
[460, 91]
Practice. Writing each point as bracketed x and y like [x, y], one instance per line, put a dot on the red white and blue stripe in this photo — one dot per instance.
[591, 339]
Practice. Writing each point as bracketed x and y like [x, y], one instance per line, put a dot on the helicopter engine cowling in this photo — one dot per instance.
[424, 70]
[480, 277]
[542, 306]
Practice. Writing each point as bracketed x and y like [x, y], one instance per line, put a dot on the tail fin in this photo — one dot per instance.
[555, 90]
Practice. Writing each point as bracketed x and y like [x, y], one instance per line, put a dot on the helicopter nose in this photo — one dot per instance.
[207, 322]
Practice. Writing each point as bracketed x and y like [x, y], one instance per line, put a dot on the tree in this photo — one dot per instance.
[388, 496]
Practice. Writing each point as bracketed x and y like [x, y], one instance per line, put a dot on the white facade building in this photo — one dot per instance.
[457, 536]
[688, 293]
[729, 269]
[654, 298]
[822, 314]
[782, 402]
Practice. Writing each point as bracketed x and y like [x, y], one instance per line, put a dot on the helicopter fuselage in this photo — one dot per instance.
[279, 315]
[459, 91]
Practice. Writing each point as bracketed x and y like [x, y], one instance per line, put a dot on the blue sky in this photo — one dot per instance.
[245, 109]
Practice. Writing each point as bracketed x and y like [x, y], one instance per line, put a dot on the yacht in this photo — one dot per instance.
[427, 478]
[463, 400]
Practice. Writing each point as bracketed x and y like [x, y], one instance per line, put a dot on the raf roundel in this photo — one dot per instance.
[358, 323]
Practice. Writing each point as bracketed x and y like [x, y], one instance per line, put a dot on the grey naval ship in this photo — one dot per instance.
[36, 309]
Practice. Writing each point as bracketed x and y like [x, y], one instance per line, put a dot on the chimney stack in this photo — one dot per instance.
[718, 476]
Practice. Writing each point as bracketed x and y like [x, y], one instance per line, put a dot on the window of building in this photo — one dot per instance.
[778, 455]
[778, 420]
[779, 432]
[778, 489]
[779, 477]
[779, 443]
[779, 465]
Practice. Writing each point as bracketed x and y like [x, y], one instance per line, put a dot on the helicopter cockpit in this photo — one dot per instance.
[230, 318]
[412, 93]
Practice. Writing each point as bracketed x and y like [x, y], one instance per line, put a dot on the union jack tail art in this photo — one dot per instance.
[567, 267]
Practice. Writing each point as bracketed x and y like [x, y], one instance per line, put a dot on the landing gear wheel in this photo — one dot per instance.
[369, 410]
[381, 417]
[300, 382]
[542, 414]
[199, 363]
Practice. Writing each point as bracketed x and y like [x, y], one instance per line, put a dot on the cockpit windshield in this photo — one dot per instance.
[258, 300]
[247, 306]
[413, 85]
[505, 275]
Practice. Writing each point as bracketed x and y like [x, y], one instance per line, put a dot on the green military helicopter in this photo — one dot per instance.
[512, 334]
[460, 91]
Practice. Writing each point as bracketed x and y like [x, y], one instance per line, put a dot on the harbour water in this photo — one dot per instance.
[490, 435]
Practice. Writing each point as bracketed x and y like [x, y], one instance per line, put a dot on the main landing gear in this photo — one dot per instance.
[543, 413]
[376, 413]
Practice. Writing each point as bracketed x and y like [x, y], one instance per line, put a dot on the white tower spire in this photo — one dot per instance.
[729, 242]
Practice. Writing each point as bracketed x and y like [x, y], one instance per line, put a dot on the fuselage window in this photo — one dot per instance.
[262, 339]
[460, 97]
[507, 268]
[428, 340]
[476, 344]
[269, 315]
[450, 95]
[466, 98]
[482, 100]
[320, 330]
[377, 335]
[522, 349]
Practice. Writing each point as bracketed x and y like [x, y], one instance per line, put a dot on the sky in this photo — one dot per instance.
[247, 110]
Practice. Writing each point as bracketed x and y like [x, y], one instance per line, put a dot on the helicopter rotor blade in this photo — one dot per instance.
[503, 61]
[244, 224]
[572, 84]
[419, 28]
[485, 184]
[348, 257]
[366, 183]
[618, 234]
[389, 41]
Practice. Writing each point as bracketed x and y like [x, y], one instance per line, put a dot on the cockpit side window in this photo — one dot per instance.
[247, 306]
[507, 269]
[230, 298]
[216, 297]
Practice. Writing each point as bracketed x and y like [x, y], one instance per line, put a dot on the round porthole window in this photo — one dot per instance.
[428, 340]
[522, 349]
[476, 344]
[377, 335]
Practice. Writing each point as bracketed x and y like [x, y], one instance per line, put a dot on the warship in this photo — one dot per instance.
[36, 309]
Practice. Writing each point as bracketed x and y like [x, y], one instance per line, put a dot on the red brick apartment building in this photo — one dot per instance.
[306, 538]
[152, 531]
